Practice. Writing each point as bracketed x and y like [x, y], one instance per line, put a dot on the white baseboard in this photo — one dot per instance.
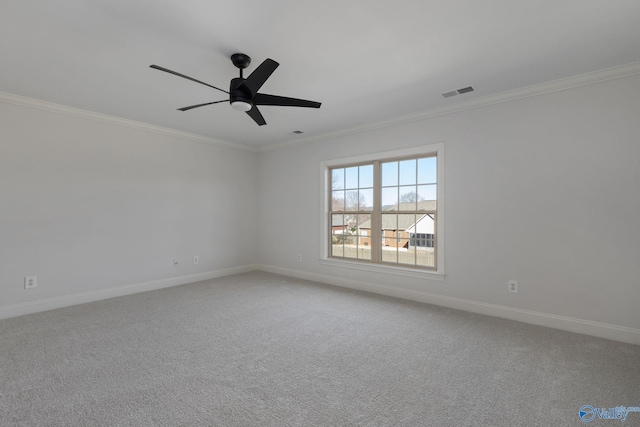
[587, 327]
[84, 297]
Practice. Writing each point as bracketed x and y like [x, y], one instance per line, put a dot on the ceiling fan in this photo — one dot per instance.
[243, 93]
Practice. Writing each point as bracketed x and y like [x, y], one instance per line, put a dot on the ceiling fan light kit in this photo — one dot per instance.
[243, 93]
[241, 105]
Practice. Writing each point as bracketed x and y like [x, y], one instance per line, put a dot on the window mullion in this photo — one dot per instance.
[376, 217]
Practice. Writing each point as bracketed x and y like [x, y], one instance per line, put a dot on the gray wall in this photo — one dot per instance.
[543, 190]
[89, 205]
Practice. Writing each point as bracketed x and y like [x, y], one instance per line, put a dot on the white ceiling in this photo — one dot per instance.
[366, 60]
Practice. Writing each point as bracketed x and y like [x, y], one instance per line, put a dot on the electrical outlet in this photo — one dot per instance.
[31, 282]
[196, 259]
[299, 257]
[512, 286]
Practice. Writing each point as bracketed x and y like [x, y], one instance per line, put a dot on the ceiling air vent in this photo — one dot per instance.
[458, 91]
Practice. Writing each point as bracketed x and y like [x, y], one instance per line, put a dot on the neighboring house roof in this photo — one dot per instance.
[404, 222]
[339, 220]
[366, 224]
[424, 205]
[424, 225]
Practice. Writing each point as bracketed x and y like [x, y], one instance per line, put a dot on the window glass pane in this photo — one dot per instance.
[425, 259]
[340, 225]
[389, 173]
[366, 176]
[408, 172]
[406, 224]
[389, 224]
[350, 244]
[337, 223]
[389, 254]
[351, 201]
[406, 256]
[351, 177]
[337, 247]
[425, 256]
[389, 198]
[338, 230]
[337, 179]
[424, 224]
[345, 243]
[417, 240]
[430, 240]
[364, 252]
[364, 236]
[408, 198]
[366, 200]
[427, 192]
[337, 200]
[427, 205]
[427, 170]
[350, 251]
[363, 222]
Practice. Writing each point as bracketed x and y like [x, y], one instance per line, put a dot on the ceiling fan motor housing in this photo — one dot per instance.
[238, 92]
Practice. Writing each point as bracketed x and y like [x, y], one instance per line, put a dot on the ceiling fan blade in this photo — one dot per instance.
[264, 99]
[260, 75]
[255, 114]
[201, 105]
[166, 70]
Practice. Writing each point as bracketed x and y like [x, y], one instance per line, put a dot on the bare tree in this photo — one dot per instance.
[354, 200]
[410, 197]
[337, 203]
[348, 201]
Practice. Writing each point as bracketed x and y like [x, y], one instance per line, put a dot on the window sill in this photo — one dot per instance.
[384, 269]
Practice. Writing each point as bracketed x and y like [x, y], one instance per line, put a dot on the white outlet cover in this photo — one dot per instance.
[30, 282]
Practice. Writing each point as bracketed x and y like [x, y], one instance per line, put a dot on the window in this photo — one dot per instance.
[419, 240]
[390, 208]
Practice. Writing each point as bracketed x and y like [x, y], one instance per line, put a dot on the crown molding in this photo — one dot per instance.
[23, 101]
[512, 95]
[529, 91]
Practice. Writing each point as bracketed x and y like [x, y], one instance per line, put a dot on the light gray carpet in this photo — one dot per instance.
[258, 349]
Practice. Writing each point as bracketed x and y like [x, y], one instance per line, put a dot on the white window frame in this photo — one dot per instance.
[433, 274]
